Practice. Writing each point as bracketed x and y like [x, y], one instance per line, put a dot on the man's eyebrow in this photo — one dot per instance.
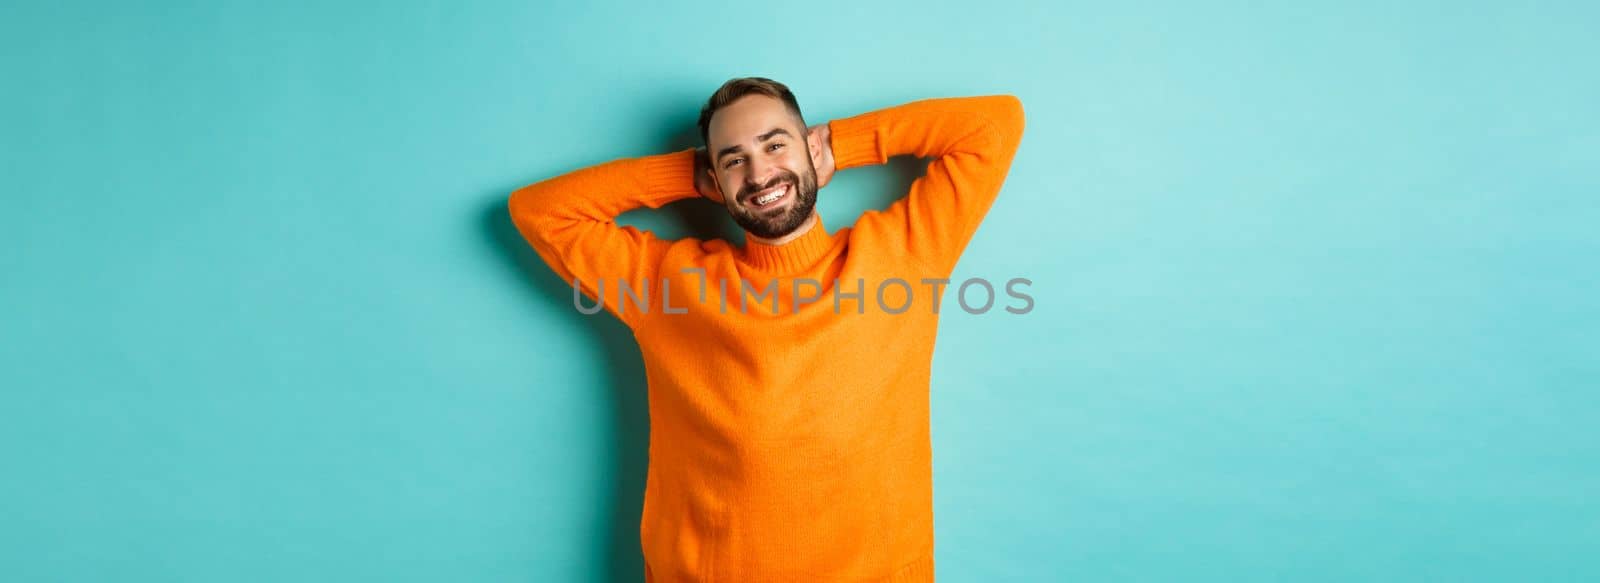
[734, 149]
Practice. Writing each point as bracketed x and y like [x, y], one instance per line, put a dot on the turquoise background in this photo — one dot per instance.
[1316, 286]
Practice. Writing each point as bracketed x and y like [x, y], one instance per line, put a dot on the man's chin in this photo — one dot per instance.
[778, 221]
[767, 229]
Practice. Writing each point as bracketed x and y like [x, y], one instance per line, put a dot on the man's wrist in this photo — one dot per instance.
[855, 141]
[666, 175]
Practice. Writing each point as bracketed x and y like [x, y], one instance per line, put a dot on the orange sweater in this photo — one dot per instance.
[789, 431]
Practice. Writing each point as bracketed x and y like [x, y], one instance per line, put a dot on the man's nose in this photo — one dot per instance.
[760, 171]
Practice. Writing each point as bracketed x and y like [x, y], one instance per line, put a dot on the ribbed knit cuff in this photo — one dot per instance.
[855, 141]
[670, 176]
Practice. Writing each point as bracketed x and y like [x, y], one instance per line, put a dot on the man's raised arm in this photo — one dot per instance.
[570, 220]
[972, 140]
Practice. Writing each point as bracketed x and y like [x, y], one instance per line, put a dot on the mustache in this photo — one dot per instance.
[750, 190]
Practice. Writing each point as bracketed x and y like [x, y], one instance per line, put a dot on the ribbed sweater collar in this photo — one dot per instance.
[792, 256]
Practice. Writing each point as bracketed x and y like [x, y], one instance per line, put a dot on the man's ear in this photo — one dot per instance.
[716, 184]
[814, 145]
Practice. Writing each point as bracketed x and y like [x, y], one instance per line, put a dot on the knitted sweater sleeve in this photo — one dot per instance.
[569, 220]
[972, 141]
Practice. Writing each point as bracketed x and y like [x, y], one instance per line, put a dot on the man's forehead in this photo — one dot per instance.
[749, 117]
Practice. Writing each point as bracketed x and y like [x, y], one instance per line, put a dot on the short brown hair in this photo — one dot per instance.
[734, 89]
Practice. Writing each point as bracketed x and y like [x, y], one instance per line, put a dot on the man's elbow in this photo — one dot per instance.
[524, 206]
[1009, 118]
[525, 201]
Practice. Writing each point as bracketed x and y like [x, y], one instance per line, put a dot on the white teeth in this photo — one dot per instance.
[761, 200]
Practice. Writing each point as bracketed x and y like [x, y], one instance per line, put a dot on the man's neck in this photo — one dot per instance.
[811, 223]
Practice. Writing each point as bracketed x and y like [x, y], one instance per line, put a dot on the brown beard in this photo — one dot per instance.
[805, 192]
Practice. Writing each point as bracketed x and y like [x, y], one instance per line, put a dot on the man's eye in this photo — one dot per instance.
[774, 147]
[733, 162]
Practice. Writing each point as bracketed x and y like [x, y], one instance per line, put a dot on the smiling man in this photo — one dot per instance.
[789, 444]
[765, 157]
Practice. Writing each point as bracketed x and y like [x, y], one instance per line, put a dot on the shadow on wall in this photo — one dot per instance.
[623, 369]
[623, 373]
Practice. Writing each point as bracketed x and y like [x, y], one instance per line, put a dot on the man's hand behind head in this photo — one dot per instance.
[824, 161]
[704, 183]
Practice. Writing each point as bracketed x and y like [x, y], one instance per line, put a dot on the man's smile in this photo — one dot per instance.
[770, 198]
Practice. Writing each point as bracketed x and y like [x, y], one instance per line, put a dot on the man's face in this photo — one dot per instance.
[762, 160]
